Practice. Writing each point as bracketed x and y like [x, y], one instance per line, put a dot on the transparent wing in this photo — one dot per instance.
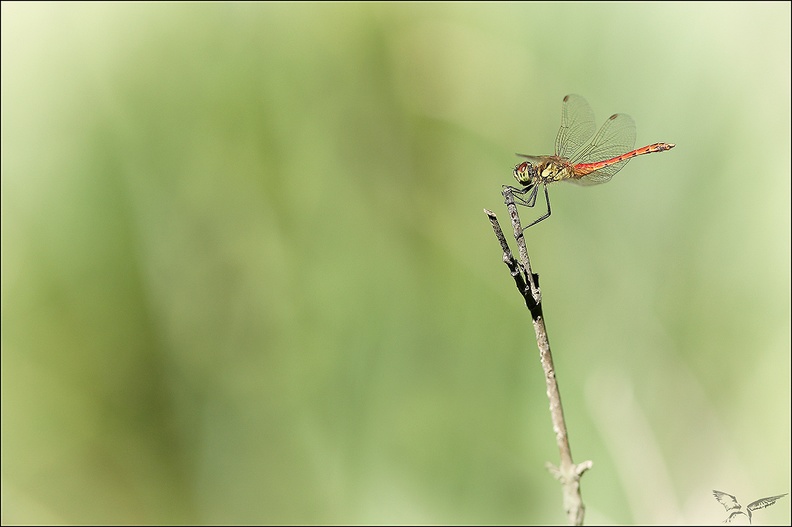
[533, 159]
[602, 175]
[577, 125]
[616, 137]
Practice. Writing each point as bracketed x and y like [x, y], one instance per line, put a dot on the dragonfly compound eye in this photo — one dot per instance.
[524, 173]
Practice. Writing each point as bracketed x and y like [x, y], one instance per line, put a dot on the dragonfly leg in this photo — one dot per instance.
[530, 201]
[547, 200]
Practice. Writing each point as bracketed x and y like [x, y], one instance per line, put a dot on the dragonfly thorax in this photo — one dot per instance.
[546, 171]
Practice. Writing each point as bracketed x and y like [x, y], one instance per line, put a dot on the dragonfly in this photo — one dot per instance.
[580, 156]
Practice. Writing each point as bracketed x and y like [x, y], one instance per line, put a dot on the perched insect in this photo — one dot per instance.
[579, 157]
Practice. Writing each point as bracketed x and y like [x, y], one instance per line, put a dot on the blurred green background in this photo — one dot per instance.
[247, 276]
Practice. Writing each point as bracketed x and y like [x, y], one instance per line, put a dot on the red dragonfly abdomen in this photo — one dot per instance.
[587, 168]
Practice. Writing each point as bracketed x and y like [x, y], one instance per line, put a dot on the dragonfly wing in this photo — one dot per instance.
[598, 176]
[533, 159]
[616, 137]
[577, 125]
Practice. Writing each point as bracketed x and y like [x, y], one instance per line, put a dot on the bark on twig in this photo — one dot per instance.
[568, 473]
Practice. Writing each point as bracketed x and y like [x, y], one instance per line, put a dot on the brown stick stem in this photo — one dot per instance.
[568, 473]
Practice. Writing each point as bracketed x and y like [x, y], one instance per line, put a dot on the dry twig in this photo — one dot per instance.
[568, 473]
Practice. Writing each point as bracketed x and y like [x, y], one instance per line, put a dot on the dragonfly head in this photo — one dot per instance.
[525, 173]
